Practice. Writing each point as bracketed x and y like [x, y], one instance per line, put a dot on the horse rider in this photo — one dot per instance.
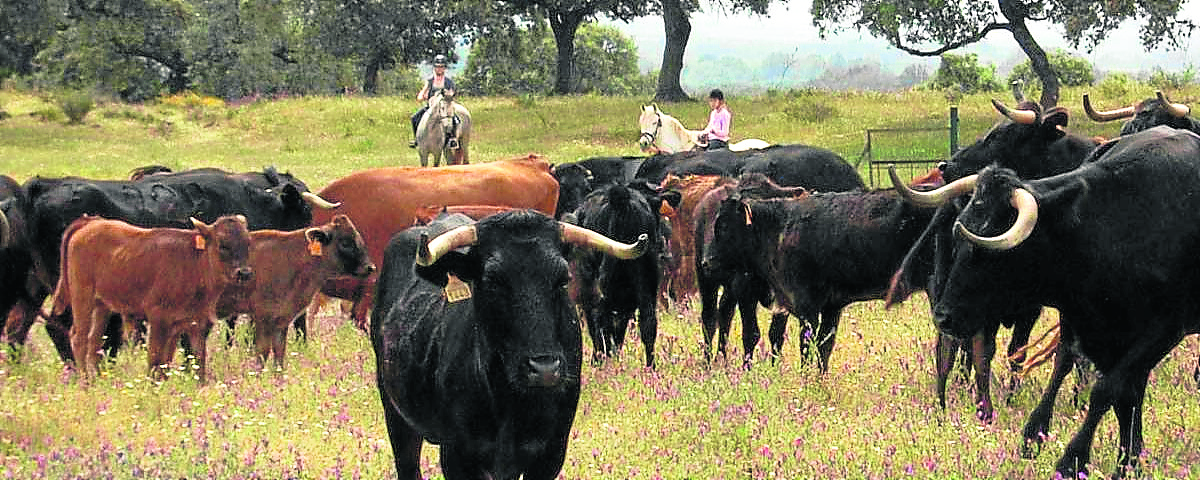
[719, 121]
[438, 83]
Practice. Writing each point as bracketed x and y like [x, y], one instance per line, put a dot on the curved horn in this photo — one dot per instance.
[1178, 110]
[577, 235]
[1027, 117]
[1027, 215]
[1106, 116]
[317, 201]
[431, 250]
[4, 229]
[933, 198]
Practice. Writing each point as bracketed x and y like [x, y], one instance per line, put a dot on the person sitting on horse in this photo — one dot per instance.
[719, 121]
[438, 83]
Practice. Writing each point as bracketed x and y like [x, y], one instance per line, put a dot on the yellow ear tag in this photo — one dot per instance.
[200, 242]
[314, 248]
[456, 290]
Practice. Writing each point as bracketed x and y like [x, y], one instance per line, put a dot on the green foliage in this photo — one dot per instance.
[1117, 84]
[522, 60]
[75, 104]
[1072, 71]
[963, 73]
[1164, 80]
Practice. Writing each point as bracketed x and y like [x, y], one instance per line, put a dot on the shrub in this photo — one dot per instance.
[1164, 80]
[1117, 84]
[962, 73]
[75, 104]
[1072, 71]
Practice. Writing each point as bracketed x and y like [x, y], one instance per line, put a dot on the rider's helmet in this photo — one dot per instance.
[439, 60]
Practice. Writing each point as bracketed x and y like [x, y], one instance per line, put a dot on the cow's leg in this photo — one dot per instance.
[748, 310]
[725, 309]
[301, 324]
[113, 338]
[198, 339]
[1038, 423]
[279, 349]
[648, 326]
[827, 334]
[708, 312]
[457, 463]
[95, 337]
[21, 318]
[946, 351]
[778, 330]
[160, 346]
[1122, 387]
[983, 349]
[406, 443]
[79, 339]
[230, 325]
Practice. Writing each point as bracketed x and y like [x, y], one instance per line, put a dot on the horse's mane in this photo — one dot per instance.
[674, 124]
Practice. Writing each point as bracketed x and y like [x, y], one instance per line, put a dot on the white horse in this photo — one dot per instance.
[662, 133]
[445, 129]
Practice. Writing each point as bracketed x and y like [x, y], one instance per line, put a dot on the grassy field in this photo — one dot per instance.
[873, 415]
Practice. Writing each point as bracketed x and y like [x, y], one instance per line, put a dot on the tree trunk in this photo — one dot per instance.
[564, 25]
[678, 29]
[371, 74]
[1016, 12]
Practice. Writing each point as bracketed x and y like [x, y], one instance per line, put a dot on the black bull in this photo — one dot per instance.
[1035, 144]
[268, 200]
[819, 252]
[1110, 244]
[479, 350]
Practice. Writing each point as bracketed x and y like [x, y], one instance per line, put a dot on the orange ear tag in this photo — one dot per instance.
[200, 242]
[314, 248]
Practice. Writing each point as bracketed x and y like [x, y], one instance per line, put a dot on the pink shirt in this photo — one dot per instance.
[719, 121]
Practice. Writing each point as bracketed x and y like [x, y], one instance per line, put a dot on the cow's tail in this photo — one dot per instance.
[62, 291]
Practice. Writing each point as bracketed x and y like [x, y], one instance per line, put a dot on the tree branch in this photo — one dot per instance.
[894, 39]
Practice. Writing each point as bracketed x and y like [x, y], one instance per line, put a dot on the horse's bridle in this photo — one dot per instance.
[650, 137]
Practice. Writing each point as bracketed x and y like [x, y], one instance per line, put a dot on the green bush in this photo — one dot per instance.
[1071, 71]
[1117, 84]
[75, 104]
[1164, 80]
[964, 74]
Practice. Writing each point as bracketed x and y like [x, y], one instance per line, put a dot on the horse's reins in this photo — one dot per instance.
[654, 136]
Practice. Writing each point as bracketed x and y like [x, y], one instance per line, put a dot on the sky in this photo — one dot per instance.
[788, 28]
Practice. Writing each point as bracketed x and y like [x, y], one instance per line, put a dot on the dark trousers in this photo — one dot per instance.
[714, 144]
[416, 119]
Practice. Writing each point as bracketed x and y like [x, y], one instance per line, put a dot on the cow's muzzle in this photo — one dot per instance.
[953, 324]
[243, 275]
[544, 371]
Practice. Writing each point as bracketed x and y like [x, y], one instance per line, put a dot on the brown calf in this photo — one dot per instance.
[170, 277]
[289, 267]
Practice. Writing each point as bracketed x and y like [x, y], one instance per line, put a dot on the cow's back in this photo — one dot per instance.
[383, 201]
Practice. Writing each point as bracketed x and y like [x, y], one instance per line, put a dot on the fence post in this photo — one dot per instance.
[953, 130]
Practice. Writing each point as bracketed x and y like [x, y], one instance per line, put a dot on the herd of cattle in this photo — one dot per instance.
[485, 271]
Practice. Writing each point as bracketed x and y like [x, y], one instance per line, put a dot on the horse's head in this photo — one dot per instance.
[650, 122]
[441, 114]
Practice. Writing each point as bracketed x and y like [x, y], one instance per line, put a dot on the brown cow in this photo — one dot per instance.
[427, 214]
[289, 267]
[170, 277]
[680, 278]
[383, 201]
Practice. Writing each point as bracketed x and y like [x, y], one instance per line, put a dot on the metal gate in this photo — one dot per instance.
[914, 151]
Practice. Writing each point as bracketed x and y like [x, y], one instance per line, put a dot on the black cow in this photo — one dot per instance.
[608, 290]
[267, 199]
[15, 264]
[1111, 244]
[787, 165]
[819, 252]
[1035, 144]
[738, 287]
[1146, 114]
[578, 179]
[478, 347]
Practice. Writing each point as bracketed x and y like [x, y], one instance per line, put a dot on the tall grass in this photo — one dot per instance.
[872, 415]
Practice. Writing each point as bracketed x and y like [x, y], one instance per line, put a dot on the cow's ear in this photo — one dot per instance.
[1054, 122]
[672, 197]
[290, 195]
[317, 235]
